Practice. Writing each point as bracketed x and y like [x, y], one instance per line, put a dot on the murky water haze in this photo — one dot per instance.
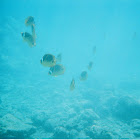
[34, 104]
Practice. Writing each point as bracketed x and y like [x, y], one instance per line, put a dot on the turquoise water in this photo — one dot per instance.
[34, 104]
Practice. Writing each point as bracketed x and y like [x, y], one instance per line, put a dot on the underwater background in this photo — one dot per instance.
[34, 104]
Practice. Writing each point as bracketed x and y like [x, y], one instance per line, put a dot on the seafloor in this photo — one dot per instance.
[34, 110]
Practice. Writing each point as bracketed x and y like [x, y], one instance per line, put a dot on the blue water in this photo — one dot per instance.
[34, 104]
